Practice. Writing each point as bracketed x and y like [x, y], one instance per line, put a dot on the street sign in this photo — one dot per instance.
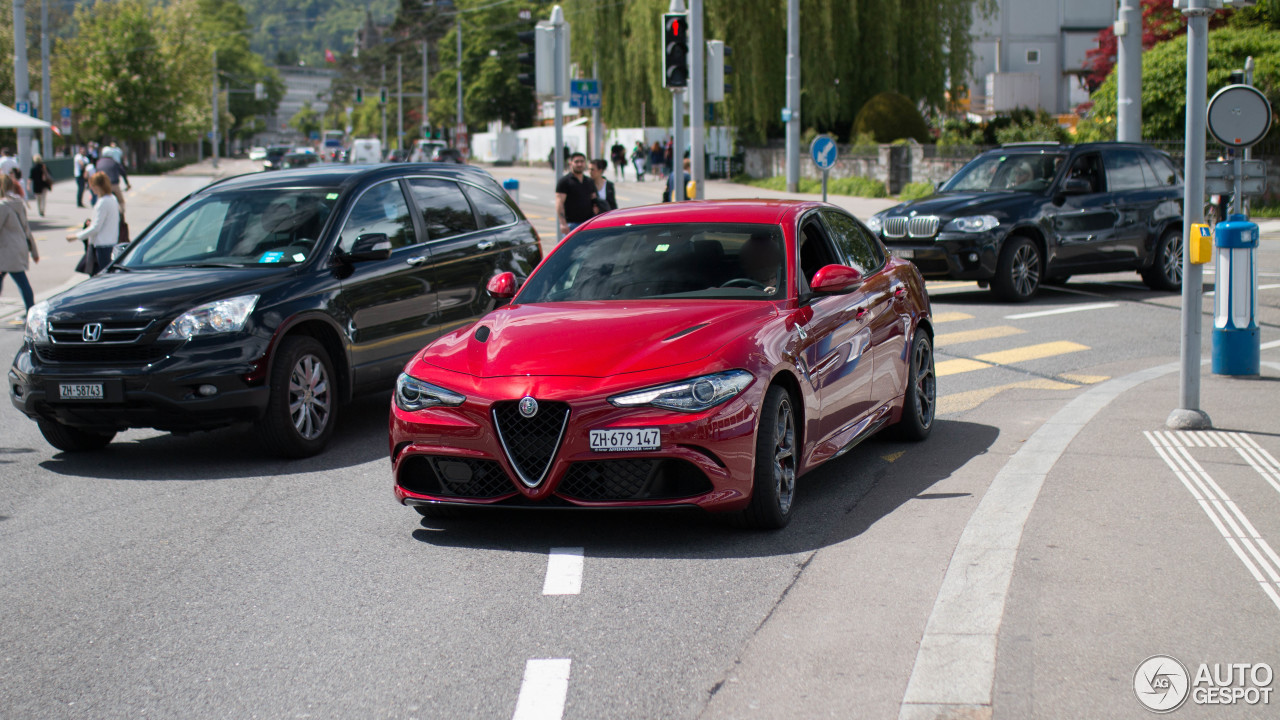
[824, 152]
[66, 113]
[65, 126]
[1219, 177]
[23, 107]
[1239, 115]
[584, 94]
[786, 115]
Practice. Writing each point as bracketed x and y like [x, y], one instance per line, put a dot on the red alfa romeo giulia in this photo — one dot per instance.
[705, 354]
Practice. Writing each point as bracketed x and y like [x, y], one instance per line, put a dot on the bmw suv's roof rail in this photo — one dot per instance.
[1033, 143]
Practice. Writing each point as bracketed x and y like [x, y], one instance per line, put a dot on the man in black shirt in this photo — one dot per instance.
[573, 195]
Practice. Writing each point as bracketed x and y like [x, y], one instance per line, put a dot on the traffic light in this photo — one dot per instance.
[717, 68]
[537, 58]
[528, 58]
[359, 95]
[675, 55]
[259, 91]
[382, 95]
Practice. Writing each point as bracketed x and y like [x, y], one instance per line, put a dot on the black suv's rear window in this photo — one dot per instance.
[237, 228]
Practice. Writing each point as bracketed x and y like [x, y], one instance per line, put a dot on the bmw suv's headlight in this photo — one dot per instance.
[875, 224]
[37, 322]
[413, 394]
[972, 224]
[692, 395]
[216, 317]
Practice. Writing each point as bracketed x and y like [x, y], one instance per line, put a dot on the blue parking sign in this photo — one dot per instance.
[66, 112]
[23, 107]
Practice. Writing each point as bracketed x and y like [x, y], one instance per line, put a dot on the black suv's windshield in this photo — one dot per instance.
[237, 228]
[1019, 172]
[696, 260]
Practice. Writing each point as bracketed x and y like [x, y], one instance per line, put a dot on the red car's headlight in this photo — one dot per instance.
[413, 394]
[692, 395]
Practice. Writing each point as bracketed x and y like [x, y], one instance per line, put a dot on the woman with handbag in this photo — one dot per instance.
[16, 242]
[41, 182]
[603, 201]
[103, 230]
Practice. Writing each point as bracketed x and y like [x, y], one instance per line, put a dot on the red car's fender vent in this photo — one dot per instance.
[530, 439]
[633, 479]
[454, 477]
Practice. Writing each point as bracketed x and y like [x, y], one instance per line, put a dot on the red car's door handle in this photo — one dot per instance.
[899, 293]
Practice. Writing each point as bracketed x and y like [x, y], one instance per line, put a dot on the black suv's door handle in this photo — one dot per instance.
[486, 245]
[416, 260]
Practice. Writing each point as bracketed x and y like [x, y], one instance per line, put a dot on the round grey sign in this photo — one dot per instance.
[1239, 115]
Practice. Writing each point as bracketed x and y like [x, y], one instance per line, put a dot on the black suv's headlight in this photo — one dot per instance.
[875, 224]
[972, 224]
[216, 317]
[37, 328]
[413, 394]
[692, 395]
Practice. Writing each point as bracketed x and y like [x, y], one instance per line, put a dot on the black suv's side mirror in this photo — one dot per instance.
[1075, 186]
[372, 246]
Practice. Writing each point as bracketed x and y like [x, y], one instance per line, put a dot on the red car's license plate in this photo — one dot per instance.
[625, 440]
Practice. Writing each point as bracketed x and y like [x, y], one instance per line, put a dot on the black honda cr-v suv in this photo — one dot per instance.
[1029, 213]
[269, 298]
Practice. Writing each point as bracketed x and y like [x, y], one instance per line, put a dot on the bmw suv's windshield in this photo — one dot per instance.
[1019, 172]
[237, 228]
[738, 261]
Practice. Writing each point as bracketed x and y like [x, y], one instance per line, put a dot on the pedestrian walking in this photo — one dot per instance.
[618, 153]
[115, 174]
[16, 242]
[114, 152]
[604, 199]
[8, 163]
[638, 157]
[103, 230]
[669, 194]
[41, 182]
[574, 195]
[655, 159]
[81, 170]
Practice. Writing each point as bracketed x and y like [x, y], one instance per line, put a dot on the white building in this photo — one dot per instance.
[302, 85]
[1031, 54]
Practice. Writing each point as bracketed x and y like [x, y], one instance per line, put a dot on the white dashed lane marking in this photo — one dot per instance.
[1061, 311]
[564, 571]
[542, 693]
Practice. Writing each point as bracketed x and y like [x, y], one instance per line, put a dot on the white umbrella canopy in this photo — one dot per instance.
[10, 118]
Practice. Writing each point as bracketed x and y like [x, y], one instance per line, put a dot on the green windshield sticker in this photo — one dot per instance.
[333, 196]
[662, 248]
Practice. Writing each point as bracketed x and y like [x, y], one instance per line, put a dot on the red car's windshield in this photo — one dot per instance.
[693, 260]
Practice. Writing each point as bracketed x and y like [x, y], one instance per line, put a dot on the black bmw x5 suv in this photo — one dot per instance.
[1029, 213]
[271, 299]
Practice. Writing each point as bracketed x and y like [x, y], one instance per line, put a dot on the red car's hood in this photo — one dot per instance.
[594, 339]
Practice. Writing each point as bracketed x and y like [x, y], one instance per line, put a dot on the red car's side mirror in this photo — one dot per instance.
[502, 286]
[835, 280]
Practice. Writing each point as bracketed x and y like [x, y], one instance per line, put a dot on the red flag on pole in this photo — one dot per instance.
[328, 56]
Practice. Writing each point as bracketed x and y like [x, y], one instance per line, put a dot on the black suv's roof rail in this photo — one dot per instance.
[1033, 143]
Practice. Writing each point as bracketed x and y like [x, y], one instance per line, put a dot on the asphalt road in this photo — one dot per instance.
[197, 576]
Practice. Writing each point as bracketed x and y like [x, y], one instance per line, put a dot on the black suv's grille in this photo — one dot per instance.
[110, 342]
[110, 332]
[531, 443]
[101, 354]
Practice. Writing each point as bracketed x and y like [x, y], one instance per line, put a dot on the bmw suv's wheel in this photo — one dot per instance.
[72, 439]
[1165, 272]
[302, 408]
[1018, 271]
[773, 487]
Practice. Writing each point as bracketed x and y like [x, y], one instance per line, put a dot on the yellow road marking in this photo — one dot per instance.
[951, 317]
[1032, 352]
[962, 402]
[1084, 379]
[894, 456]
[957, 366]
[965, 336]
[951, 284]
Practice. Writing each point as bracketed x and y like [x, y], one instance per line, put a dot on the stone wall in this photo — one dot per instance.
[894, 165]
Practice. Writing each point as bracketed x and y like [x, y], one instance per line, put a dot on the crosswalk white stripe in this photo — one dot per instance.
[1266, 473]
[543, 690]
[1061, 311]
[564, 571]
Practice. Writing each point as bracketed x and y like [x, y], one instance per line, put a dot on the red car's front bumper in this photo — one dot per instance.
[456, 454]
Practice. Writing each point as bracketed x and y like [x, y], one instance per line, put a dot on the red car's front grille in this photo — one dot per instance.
[633, 479]
[454, 477]
[531, 442]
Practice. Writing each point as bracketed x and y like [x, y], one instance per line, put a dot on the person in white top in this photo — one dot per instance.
[7, 161]
[114, 152]
[81, 169]
[103, 231]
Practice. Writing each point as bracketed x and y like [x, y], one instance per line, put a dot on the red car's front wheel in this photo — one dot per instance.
[774, 485]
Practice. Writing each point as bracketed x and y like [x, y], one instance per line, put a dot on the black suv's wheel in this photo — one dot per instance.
[1018, 271]
[71, 439]
[773, 487]
[919, 403]
[302, 408]
[1165, 272]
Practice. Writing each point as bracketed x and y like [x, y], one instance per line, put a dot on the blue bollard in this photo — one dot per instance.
[512, 186]
[1236, 342]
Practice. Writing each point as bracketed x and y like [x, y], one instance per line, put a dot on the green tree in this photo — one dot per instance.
[225, 26]
[306, 120]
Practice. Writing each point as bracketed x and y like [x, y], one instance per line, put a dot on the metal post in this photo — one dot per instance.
[21, 90]
[597, 118]
[214, 142]
[793, 95]
[459, 128]
[1189, 416]
[400, 105]
[1248, 80]
[557, 19]
[1128, 30]
[47, 113]
[384, 110]
[677, 146]
[425, 122]
[697, 95]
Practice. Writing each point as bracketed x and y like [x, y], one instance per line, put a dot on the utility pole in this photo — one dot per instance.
[458, 131]
[1189, 416]
[1128, 31]
[382, 103]
[597, 119]
[561, 57]
[793, 96]
[426, 123]
[697, 95]
[21, 90]
[399, 106]
[47, 111]
[215, 109]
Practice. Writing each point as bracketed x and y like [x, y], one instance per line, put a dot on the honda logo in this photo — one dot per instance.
[92, 332]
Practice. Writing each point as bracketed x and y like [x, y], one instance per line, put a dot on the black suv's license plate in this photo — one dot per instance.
[101, 390]
[81, 391]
